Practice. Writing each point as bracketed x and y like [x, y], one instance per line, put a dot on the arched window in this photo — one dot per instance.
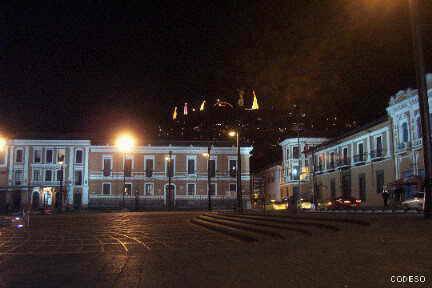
[404, 131]
[419, 129]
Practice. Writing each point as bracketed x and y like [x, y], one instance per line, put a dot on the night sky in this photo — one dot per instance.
[93, 69]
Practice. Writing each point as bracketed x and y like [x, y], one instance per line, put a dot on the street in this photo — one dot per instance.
[164, 249]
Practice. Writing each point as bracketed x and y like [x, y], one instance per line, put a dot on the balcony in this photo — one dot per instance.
[377, 154]
[360, 159]
[417, 142]
[403, 146]
[344, 162]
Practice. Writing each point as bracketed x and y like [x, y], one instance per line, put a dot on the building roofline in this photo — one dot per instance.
[349, 133]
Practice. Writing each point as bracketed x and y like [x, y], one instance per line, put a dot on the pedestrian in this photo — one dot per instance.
[385, 195]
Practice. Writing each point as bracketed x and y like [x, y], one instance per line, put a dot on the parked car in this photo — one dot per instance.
[15, 221]
[305, 204]
[344, 203]
[417, 202]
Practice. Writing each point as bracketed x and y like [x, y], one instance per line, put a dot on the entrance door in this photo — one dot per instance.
[35, 200]
[77, 200]
[170, 196]
[47, 198]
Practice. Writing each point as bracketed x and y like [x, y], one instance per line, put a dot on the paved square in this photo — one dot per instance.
[164, 249]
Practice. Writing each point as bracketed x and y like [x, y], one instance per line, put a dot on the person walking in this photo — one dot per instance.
[385, 195]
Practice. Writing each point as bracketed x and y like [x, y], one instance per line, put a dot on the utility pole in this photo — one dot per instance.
[239, 188]
[423, 102]
[209, 177]
[169, 192]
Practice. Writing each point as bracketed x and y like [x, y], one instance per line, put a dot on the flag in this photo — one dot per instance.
[174, 115]
[185, 109]
[202, 107]
[255, 105]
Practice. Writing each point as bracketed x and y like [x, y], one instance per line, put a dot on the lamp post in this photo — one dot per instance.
[238, 170]
[61, 162]
[208, 176]
[169, 167]
[125, 144]
[423, 103]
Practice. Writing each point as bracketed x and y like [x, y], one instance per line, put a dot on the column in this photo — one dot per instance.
[85, 196]
[69, 177]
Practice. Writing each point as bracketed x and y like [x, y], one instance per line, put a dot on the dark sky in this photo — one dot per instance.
[94, 68]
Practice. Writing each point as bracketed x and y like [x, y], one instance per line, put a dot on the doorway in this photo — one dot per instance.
[169, 195]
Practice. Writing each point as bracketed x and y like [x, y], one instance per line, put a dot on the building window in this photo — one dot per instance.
[49, 156]
[149, 167]
[191, 165]
[296, 152]
[360, 152]
[233, 189]
[48, 175]
[106, 188]
[19, 177]
[191, 189]
[332, 160]
[148, 189]
[419, 128]
[295, 172]
[404, 132]
[107, 166]
[345, 156]
[60, 155]
[379, 146]
[37, 156]
[19, 156]
[128, 189]
[287, 154]
[379, 181]
[60, 175]
[232, 167]
[127, 167]
[78, 177]
[170, 167]
[79, 156]
[213, 189]
[212, 167]
[37, 175]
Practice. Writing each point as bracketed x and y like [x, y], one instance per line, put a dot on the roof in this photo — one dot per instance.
[349, 133]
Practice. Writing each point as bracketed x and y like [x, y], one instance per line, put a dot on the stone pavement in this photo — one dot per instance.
[164, 249]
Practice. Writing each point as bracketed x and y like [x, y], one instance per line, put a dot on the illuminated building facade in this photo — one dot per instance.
[95, 176]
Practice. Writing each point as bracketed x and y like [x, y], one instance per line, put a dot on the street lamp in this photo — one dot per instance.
[125, 143]
[2, 143]
[61, 162]
[207, 155]
[169, 170]
[238, 170]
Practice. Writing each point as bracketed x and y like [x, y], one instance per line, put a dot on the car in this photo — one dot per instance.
[416, 202]
[305, 204]
[15, 220]
[344, 203]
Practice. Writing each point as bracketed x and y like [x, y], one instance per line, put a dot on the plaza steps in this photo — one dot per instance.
[309, 218]
[230, 231]
[279, 222]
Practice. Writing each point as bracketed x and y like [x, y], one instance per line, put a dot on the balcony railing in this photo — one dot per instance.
[360, 158]
[344, 162]
[417, 142]
[377, 154]
[403, 146]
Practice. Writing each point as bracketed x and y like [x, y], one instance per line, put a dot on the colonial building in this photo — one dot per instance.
[42, 172]
[270, 183]
[296, 165]
[152, 168]
[363, 162]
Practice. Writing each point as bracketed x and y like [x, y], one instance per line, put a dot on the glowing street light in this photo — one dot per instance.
[238, 170]
[125, 143]
[2, 143]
